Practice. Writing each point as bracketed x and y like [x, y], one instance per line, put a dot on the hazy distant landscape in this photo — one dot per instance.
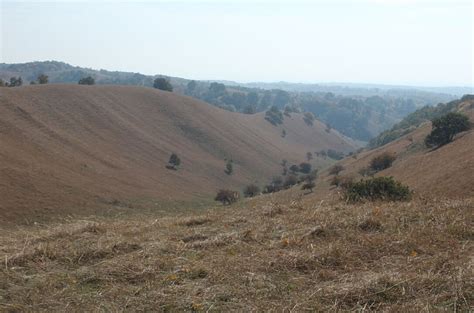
[236, 156]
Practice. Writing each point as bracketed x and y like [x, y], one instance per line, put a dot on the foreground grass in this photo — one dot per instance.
[267, 255]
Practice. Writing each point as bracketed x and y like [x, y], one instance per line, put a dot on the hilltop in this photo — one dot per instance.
[71, 148]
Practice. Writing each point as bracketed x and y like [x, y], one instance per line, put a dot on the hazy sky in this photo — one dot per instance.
[412, 42]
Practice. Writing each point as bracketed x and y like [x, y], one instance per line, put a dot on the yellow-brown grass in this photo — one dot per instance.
[271, 253]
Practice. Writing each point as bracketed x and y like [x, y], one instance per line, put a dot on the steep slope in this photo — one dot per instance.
[70, 147]
[444, 172]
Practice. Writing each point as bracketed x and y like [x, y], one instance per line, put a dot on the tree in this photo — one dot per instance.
[2, 83]
[227, 197]
[162, 84]
[42, 79]
[309, 156]
[445, 128]
[89, 80]
[382, 161]
[305, 168]
[229, 167]
[251, 190]
[173, 162]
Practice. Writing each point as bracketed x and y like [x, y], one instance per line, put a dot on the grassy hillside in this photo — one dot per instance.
[70, 148]
[444, 172]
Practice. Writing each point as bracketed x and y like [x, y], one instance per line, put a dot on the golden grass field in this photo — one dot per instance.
[287, 252]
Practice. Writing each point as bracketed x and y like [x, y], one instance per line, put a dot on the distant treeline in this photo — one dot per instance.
[360, 117]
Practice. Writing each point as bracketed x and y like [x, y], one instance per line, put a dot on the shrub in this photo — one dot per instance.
[379, 188]
[445, 128]
[89, 80]
[162, 84]
[309, 156]
[173, 162]
[229, 167]
[305, 168]
[283, 133]
[227, 196]
[336, 169]
[251, 191]
[382, 161]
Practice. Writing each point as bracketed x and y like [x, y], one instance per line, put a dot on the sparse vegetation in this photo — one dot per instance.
[162, 84]
[379, 188]
[227, 197]
[382, 161]
[446, 127]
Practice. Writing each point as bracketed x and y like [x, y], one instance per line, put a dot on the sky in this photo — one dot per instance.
[405, 42]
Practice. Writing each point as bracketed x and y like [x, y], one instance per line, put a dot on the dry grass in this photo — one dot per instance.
[279, 255]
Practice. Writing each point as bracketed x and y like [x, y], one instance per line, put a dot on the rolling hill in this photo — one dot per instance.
[71, 148]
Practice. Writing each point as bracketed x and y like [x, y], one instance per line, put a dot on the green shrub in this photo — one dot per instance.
[382, 161]
[379, 188]
[445, 128]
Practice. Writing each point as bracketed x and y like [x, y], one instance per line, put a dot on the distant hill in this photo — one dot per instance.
[70, 147]
[358, 111]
